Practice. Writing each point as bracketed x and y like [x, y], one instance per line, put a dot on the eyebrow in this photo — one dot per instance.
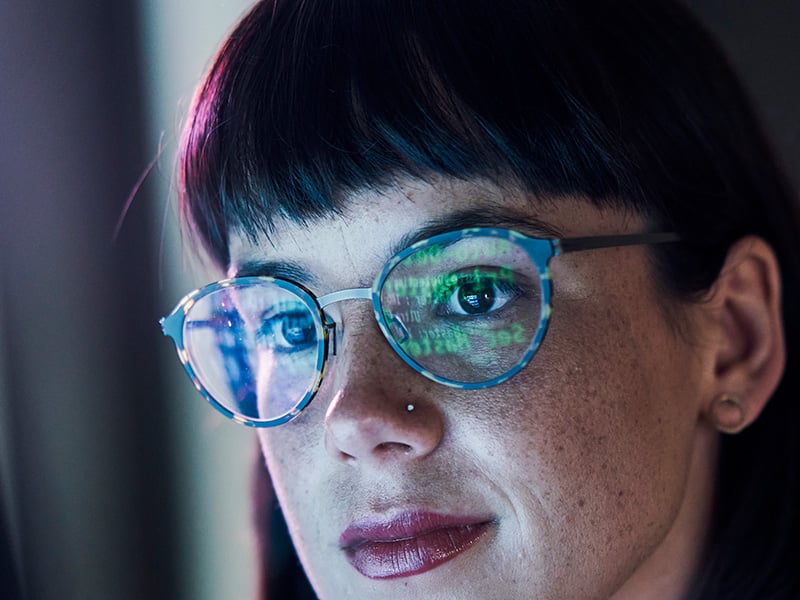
[273, 268]
[487, 216]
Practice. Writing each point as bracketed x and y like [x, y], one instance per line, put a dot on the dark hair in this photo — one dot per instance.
[626, 103]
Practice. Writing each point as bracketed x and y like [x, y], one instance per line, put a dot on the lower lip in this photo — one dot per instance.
[412, 555]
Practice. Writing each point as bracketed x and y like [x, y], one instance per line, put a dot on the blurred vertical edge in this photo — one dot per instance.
[87, 493]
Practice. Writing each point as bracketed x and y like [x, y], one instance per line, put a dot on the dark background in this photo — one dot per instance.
[102, 495]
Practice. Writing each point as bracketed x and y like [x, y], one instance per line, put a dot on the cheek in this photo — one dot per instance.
[617, 380]
[592, 440]
[289, 454]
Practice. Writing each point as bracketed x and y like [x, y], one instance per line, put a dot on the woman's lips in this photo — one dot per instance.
[411, 543]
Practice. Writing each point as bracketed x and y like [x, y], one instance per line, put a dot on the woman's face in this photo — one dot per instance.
[582, 475]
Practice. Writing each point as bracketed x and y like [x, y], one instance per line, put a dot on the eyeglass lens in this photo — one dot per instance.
[465, 311]
[256, 347]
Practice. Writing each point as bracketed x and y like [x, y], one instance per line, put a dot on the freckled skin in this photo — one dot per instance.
[585, 461]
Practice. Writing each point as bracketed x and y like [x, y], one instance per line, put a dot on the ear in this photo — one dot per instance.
[748, 341]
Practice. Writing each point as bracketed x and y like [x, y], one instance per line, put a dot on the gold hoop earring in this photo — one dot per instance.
[727, 414]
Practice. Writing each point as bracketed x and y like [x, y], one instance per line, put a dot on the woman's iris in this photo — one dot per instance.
[298, 330]
[476, 297]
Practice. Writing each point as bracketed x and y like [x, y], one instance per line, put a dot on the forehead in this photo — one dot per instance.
[375, 225]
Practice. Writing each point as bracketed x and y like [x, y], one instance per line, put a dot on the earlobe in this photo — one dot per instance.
[749, 342]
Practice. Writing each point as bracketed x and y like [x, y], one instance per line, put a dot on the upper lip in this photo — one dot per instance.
[405, 525]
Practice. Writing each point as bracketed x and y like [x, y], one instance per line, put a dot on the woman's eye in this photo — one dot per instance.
[477, 293]
[288, 331]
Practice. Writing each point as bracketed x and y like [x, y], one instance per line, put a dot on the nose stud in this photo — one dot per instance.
[410, 407]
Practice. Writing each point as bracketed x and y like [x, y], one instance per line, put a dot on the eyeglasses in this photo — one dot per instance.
[467, 309]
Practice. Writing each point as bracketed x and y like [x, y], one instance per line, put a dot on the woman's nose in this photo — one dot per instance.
[381, 410]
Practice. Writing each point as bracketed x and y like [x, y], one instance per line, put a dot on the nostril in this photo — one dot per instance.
[345, 457]
[383, 450]
[393, 447]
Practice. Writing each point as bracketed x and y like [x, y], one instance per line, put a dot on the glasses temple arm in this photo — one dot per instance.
[612, 241]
